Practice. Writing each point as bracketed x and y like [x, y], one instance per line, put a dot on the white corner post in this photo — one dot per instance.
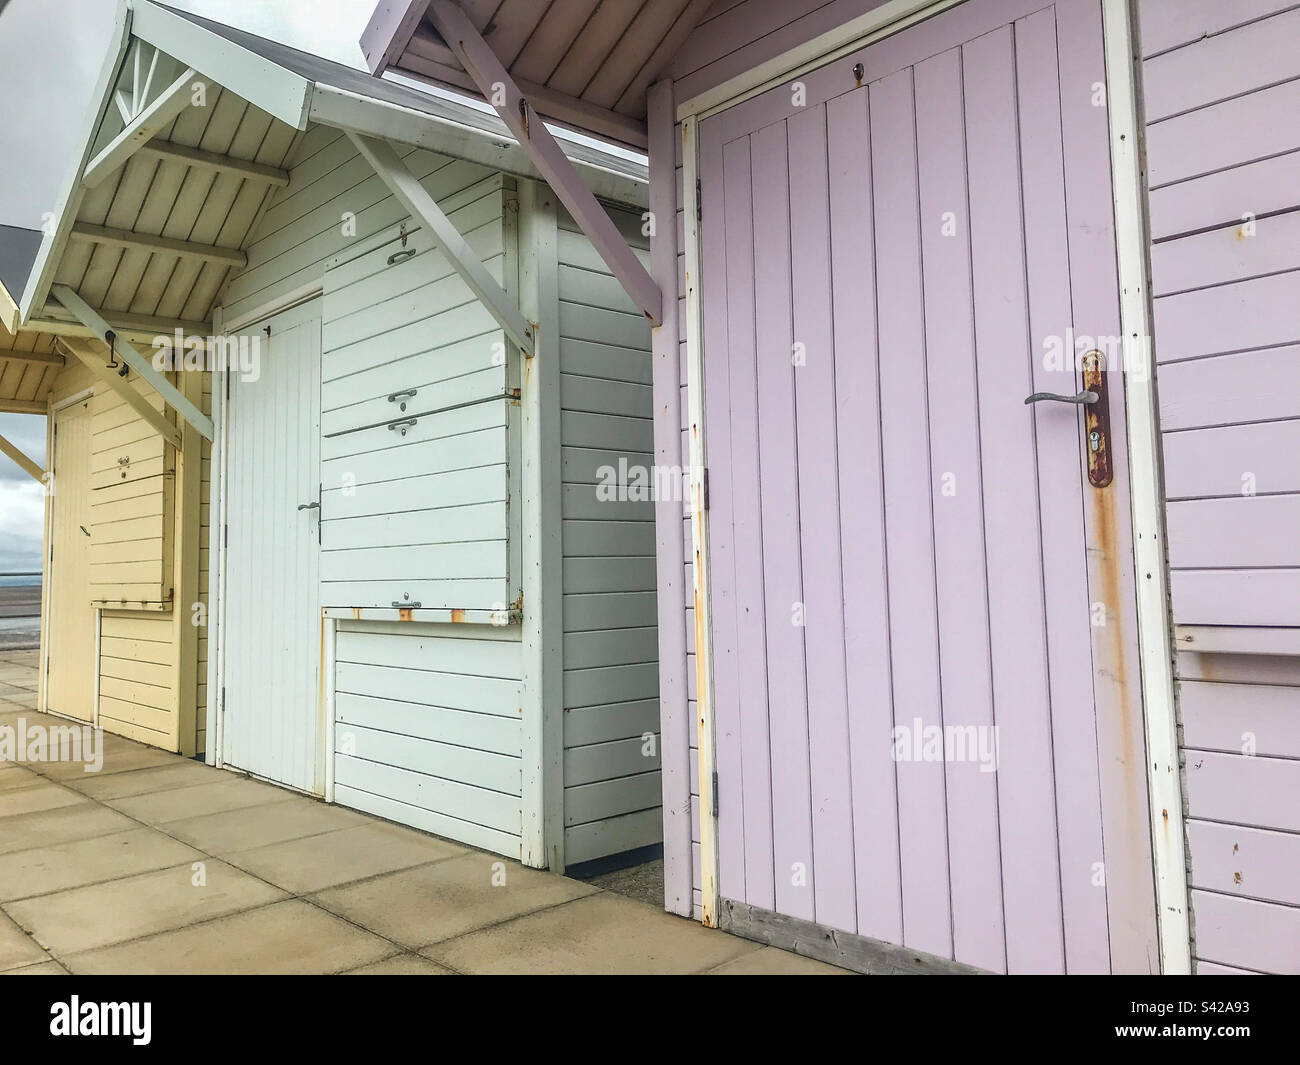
[500, 90]
[27, 465]
[542, 561]
[88, 317]
[700, 532]
[1164, 785]
[415, 198]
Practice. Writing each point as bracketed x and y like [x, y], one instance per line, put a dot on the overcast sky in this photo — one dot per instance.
[50, 55]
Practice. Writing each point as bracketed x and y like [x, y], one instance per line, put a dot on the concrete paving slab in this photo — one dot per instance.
[431, 903]
[60, 826]
[770, 961]
[317, 862]
[402, 965]
[37, 798]
[115, 760]
[283, 938]
[17, 776]
[292, 818]
[17, 947]
[43, 968]
[183, 773]
[43, 870]
[101, 914]
[605, 934]
[230, 793]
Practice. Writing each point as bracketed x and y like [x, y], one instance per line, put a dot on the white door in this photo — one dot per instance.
[271, 623]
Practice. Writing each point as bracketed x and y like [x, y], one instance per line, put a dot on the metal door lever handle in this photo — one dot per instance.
[1056, 397]
[309, 506]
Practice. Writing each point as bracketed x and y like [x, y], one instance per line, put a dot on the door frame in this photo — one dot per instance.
[1154, 624]
[215, 710]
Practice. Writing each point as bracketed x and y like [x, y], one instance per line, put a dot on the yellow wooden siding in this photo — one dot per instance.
[132, 477]
[137, 653]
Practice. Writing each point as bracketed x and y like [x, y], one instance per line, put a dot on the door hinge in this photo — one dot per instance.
[225, 536]
[706, 488]
[699, 201]
[715, 793]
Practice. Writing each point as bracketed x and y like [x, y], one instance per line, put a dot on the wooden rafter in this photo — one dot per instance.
[195, 157]
[42, 358]
[23, 406]
[138, 328]
[184, 249]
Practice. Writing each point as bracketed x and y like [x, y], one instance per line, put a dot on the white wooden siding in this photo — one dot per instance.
[427, 727]
[612, 795]
[1221, 83]
[417, 423]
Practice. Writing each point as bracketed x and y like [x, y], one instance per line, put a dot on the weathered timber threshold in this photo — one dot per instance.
[845, 949]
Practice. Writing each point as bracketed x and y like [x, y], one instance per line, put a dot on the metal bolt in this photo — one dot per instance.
[859, 71]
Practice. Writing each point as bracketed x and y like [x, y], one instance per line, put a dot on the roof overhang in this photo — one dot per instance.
[296, 90]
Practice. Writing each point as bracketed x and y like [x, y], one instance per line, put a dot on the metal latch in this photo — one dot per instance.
[402, 426]
[1096, 420]
[403, 396]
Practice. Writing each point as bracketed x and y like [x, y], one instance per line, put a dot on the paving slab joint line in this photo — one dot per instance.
[508, 920]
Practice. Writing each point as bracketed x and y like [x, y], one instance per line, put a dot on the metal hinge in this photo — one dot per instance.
[225, 536]
[706, 488]
[715, 793]
[699, 201]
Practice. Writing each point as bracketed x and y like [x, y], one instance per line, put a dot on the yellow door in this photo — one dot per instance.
[70, 627]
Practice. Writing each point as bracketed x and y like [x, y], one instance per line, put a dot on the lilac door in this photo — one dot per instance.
[928, 714]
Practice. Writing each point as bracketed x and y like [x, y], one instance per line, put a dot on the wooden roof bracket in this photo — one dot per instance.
[415, 198]
[88, 317]
[500, 90]
[29, 466]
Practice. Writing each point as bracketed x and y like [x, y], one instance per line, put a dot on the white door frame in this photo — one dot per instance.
[1154, 632]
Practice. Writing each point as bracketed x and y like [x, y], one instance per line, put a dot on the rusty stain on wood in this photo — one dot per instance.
[405, 614]
[457, 616]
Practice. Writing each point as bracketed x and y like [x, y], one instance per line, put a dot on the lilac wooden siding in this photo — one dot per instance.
[879, 868]
[1222, 98]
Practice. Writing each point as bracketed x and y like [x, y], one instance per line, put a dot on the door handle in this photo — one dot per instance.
[309, 506]
[1085, 397]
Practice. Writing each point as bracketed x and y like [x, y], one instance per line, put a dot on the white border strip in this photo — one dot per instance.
[700, 530]
[1164, 785]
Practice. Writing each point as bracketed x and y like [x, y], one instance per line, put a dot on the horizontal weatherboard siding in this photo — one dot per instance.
[613, 792]
[427, 729]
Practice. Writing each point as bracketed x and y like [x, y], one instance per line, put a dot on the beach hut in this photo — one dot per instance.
[351, 389]
[979, 646]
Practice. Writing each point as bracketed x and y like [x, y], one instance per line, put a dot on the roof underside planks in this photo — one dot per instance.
[583, 63]
[29, 364]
